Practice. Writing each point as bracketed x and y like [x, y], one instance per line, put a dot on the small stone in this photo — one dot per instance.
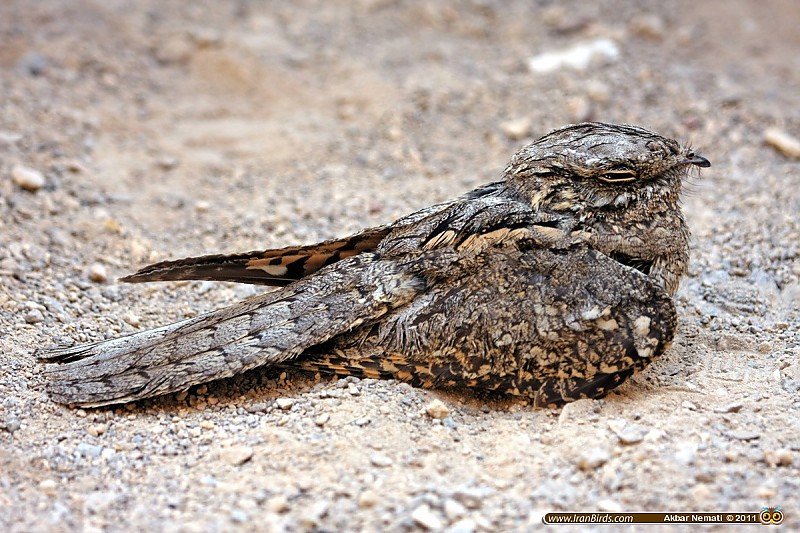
[598, 92]
[686, 404]
[27, 178]
[517, 128]
[466, 525]
[425, 518]
[453, 510]
[734, 407]
[786, 144]
[201, 206]
[322, 419]
[593, 458]
[686, 455]
[85, 449]
[380, 460]
[236, 455]
[579, 56]
[238, 516]
[578, 410]
[48, 486]
[278, 504]
[367, 499]
[627, 433]
[97, 273]
[648, 26]
[12, 424]
[353, 389]
[778, 457]
[437, 409]
[95, 430]
[609, 506]
[132, 319]
[285, 403]
[472, 498]
[363, 421]
[744, 435]
[580, 109]
[167, 162]
[34, 316]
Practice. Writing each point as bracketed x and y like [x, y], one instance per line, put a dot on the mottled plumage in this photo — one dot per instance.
[555, 283]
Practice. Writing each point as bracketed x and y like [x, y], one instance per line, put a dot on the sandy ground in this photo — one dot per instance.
[138, 131]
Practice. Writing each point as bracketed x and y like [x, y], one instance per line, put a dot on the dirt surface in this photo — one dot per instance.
[137, 131]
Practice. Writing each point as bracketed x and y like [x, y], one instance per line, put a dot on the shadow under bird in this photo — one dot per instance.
[554, 283]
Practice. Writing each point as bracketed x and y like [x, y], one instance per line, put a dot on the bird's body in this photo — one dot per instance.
[554, 283]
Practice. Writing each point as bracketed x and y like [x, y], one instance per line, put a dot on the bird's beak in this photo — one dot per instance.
[694, 159]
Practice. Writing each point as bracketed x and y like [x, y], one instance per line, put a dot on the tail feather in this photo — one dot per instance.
[265, 329]
[271, 267]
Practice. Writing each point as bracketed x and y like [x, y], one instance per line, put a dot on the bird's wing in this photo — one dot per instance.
[477, 223]
[551, 324]
[264, 329]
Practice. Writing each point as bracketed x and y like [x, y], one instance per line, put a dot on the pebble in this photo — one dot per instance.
[12, 424]
[278, 504]
[27, 178]
[285, 403]
[236, 455]
[380, 460]
[367, 499]
[734, 407]
[132, 319]
[593, 458]
[48, 486]
[453, 510]
[744, 435]
[34, 316]
[424, 517]
[579, 410]
[322, 419]
[98, 273]
[516, 129]
[627, 433]
[473, 497]
[85, 449]
[648, 26]
[437, 409]
[778, 457]
[95, 430]
[465, 525]
[578, 57]
[608, 505]
[786, 144]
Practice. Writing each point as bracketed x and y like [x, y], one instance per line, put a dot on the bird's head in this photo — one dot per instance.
[597, 166]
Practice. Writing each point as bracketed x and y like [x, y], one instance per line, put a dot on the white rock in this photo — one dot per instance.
[426, 518]
[578, 57]
[783, 142]
[236, 455]
[284, 403]
[97, 273]
[437, 409]
[517, 128]
[27, 178]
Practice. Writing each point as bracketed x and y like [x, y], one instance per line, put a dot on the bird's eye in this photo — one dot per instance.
[618, 175]
[546, 174]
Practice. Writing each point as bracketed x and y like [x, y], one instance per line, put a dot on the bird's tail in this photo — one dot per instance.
[266, 267]
[264, 329]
